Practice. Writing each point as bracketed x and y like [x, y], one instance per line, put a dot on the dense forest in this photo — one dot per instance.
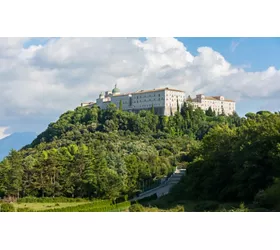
[236, 164]
[109, 154]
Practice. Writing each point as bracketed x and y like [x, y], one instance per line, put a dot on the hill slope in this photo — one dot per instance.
[106, 154]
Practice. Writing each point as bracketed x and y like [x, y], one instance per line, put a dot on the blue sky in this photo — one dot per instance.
[259, 53]
[253, 54]
[256, 54]
[40, 79]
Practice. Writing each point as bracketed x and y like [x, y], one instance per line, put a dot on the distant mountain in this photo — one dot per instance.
[15, 141]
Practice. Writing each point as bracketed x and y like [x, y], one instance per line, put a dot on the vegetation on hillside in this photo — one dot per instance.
[236, 164]
[112, 154]
[105, 154]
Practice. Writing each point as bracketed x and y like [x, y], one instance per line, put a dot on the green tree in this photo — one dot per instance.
[210, 112]
[153, 109]
[120, 105]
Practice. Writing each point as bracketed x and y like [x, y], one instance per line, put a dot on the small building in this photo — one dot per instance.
[217, 103]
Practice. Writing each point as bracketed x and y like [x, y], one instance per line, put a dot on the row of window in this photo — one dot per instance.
[145, 96]
[159, 95]
[148, 100]
[150, 105]
[213, 102]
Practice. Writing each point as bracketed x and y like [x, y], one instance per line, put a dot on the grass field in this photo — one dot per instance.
[46, 206]
[62, 204]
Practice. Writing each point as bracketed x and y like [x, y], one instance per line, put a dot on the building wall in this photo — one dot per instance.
[217, 104]
[171, 101]
[146, 99]
[164, 101]
[125, 101]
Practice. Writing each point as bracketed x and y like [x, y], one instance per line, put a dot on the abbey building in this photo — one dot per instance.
[164, 101]
[217, 103]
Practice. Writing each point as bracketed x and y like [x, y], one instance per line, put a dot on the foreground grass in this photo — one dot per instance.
[46, 206]
[168, 204]
[69, 206]
[148, 204]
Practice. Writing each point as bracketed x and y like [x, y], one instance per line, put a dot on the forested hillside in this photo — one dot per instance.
[110, 153]
[236, 164]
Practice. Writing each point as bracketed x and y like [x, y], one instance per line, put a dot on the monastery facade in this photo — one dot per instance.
[217, 103]
[164, 101]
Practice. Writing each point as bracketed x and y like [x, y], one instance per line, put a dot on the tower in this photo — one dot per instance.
[116, 91]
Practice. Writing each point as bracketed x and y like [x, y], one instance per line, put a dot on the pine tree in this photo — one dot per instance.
[184, 110]
[223, 112]
[189, 99]
[15, 173]
[120, 105]
[210, 112]
[153, 109]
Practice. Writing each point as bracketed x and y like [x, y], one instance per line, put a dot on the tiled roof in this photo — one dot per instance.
[211, 98]
[214, 98]
[122, 94]
[155, 90]
[217, 98]
[88, 102]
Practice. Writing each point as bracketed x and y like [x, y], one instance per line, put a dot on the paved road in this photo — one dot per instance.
[164, 188]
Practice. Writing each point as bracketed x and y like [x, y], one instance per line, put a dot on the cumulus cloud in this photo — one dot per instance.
[40, 82]
[3, 132]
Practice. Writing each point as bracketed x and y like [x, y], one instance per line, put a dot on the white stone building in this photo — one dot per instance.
[163, 100]
[217, 104]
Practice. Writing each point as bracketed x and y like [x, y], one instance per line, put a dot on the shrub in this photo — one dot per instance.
[260, 209]
[177, 209]
[7, 207]
[269, 198]
[136, 208]
[122, 199]
[25, 209]
[146, 199]
[206, 206]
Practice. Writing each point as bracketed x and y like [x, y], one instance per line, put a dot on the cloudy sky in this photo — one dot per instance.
[44, 77]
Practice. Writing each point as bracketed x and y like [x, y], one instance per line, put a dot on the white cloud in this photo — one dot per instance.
[3, 133]
[40, 82]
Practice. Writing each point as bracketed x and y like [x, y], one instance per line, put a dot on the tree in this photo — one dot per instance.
[223, 112]
[184, 109]
[264, 113]
[250, 115]
[15, 173]
[209, 112]
[120, 105]
[153, 109]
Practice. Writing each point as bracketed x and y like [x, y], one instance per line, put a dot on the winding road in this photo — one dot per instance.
[164, 188]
